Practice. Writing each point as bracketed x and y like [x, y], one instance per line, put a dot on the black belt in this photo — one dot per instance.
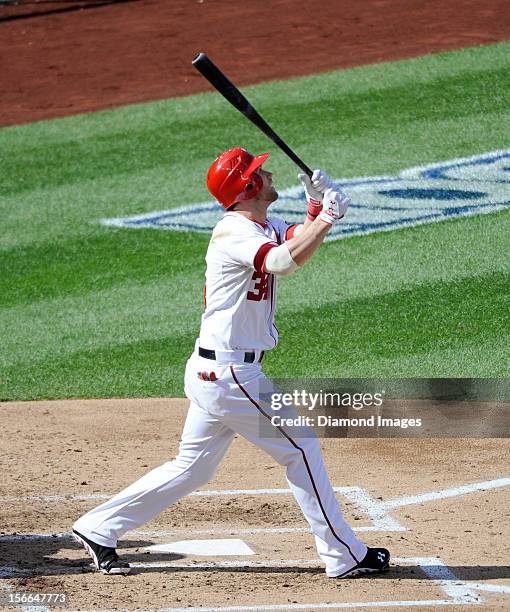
[249, 356]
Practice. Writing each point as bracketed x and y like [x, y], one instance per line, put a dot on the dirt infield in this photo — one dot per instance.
[61, 458]
[60, 61]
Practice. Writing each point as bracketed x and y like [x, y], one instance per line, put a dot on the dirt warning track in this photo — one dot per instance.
[56, 60]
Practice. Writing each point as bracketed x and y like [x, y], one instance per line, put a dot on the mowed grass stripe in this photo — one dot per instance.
[90, 311]
[109, 278]
[170, 145]
[359, 321]
[174, 138]
[115, 258]
[485, 357]
[382, 263]
[53, 215]
[83, 266]
[123, 314]
[107, 173]
[411, 323]
[60, 213]
[139, 368]
[405, 322]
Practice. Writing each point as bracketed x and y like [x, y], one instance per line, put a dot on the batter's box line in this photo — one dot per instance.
[376, 510]
[164, 533]
[458, 592]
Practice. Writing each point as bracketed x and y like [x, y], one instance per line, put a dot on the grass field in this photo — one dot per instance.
[89, 311]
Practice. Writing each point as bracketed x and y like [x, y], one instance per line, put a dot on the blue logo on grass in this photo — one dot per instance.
[460, 187]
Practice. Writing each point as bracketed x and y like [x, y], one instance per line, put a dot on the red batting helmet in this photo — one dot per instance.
[232, 177]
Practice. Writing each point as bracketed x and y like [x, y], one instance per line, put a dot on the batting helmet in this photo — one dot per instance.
[232, 177]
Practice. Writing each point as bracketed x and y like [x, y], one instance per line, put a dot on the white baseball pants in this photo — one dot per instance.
[218, 410]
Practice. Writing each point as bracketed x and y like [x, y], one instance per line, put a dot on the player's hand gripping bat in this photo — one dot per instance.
[229, 91]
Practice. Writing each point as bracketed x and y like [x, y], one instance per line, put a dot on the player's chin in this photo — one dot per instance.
[274, 195]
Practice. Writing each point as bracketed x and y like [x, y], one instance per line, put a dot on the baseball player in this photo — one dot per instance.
[247, 253]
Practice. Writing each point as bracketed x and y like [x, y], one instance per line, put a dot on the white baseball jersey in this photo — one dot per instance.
[239, 315]
[240, 297]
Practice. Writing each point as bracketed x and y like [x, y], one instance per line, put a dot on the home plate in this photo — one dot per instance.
[203, 548]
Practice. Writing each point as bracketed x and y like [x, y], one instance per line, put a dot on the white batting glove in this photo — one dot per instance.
[313, 197]
[335, 204]
[321, 181]
[311, 192]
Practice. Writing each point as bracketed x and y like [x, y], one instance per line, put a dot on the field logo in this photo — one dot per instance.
[461, 187]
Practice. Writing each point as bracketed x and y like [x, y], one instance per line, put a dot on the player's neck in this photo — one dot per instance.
[255, 210]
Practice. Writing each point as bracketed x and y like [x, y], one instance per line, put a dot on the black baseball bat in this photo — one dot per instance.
[229, 91]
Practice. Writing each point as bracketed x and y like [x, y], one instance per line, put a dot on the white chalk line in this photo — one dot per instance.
[409, 500]
[437, 570]
[96, 496]
[458, 593]
[392, 503]
[381, 520]
[459, 590]
[9, 571]
[157, 533]
[15, 572]
[230, 564]
[162, 533]
[433, 567]
[310, 606]
[376, 510]
[490, 588]
[242, 531]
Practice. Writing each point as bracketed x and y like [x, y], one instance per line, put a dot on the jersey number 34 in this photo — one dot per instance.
[260, 289]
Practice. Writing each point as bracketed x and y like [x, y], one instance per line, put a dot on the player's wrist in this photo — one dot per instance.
[314, 208]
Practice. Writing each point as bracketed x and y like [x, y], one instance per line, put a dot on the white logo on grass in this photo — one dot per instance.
[425, 194]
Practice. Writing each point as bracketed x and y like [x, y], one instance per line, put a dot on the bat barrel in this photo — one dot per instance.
[229, 91]
[200, 57]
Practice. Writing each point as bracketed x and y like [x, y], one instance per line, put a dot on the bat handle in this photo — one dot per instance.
[306, 169]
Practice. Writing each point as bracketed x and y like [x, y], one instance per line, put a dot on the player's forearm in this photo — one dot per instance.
[303, 246]
[307, 222]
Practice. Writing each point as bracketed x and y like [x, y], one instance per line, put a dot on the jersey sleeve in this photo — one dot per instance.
[289, 232]
[242, 246]
[284, 231]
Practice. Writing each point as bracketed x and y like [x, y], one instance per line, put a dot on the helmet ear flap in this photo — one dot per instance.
[253, 186]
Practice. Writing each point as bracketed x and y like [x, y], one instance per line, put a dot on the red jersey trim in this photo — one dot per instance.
[290, 231]
[260, 256]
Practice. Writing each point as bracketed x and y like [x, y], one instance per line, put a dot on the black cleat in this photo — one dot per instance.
[105, 559]
[376, 560]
